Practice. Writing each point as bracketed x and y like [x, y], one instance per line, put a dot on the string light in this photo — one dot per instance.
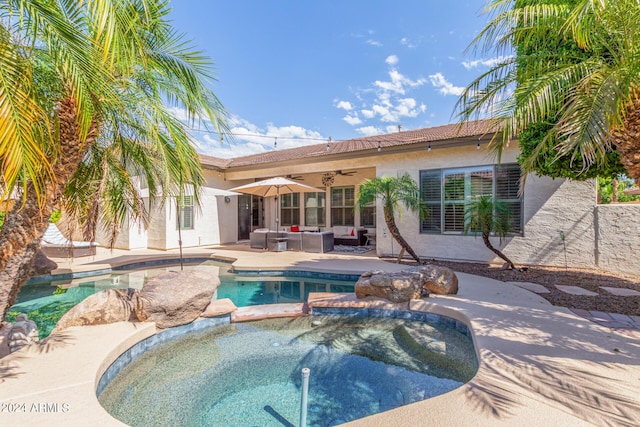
[329, 141]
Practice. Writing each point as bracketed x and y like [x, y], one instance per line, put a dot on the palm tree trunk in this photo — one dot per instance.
[487, 243]
[395, 232]
[627, 140]
[26, 223]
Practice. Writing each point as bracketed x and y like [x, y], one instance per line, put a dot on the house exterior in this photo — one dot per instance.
[557, 222]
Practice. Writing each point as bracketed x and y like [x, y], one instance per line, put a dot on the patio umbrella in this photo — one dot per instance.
[275, 187]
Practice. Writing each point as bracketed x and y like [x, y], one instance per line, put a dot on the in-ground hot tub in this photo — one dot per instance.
[249, 373]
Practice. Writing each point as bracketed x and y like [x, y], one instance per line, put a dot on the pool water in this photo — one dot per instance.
[46, 302]
[248, 374]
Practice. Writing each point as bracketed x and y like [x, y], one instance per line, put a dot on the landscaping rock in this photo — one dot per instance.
[437, 280]
[175, 298]
[396, 287]
[23, 332]
[411, 283]
[108, 306]
[42, 264]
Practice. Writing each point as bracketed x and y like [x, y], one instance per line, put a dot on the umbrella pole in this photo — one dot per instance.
[277, 209]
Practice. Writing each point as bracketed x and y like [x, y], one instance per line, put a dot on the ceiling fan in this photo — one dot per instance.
[295, 177]
[346, 173]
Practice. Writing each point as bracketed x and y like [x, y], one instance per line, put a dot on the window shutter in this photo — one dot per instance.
[431, 192]
[507, 189]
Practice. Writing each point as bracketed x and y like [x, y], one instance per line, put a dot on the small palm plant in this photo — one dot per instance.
[392, 192]
[485, 215]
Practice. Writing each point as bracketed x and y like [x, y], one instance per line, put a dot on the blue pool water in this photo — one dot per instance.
[248, 374]
[46, 302]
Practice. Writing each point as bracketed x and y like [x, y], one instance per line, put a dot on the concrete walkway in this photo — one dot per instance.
[540, 365]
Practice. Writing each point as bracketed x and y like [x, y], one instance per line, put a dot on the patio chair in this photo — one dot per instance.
[55, 245]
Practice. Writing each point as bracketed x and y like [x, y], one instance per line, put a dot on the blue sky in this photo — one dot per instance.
[304, 71]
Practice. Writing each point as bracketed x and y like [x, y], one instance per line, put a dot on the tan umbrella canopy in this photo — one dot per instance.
[275, 187]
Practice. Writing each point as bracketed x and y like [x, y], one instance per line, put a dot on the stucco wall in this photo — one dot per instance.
[157, 229]
[552, 207]
[618, 233]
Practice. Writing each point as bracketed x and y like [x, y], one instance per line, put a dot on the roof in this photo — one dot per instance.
[433, 134]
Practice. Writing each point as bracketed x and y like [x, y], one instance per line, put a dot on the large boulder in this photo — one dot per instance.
[396, 287]
[408, 284]
[437, 280]
[108, 306]
[23, 332]
[175, 298]
[42, 264]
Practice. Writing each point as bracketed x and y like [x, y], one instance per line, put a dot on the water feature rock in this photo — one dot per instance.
[23, 332]
[42, 264]
[437, 280]
[108, 306]
[408, 284]
[401, 286]
[175, 298]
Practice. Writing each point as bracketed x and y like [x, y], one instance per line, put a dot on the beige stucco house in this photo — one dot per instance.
[556, 221]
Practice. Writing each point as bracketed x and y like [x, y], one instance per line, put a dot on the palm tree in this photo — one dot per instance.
[392, 192]
[592, 98]
[485, 216]
[83, 108]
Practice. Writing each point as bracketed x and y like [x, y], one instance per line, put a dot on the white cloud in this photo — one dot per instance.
[385, 100]
[247, 138]
[408, 43]
[368, 114]
[373, 42]
[445, 87]
[388, 111]
[369, 130]
[352, 119]
[398, 83]
[489, 62]
[345, 105]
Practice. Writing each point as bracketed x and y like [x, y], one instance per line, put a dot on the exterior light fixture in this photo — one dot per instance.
[429, 147]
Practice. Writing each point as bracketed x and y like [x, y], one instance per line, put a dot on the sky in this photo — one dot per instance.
[293, 73]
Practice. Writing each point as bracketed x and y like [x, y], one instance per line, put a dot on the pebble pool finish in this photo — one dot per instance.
[248, 374]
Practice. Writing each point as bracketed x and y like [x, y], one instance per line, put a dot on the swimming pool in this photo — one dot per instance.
[248, 374]
[46, 301]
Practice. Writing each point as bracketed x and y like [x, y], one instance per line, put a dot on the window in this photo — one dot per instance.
[314, 209]
[507, 191]
[290, 209]
[445, 192]
[184, 219]
[431, 191]
[342, 202]
[368, 215]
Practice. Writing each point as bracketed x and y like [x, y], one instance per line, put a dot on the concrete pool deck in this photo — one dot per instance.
[539, 364]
